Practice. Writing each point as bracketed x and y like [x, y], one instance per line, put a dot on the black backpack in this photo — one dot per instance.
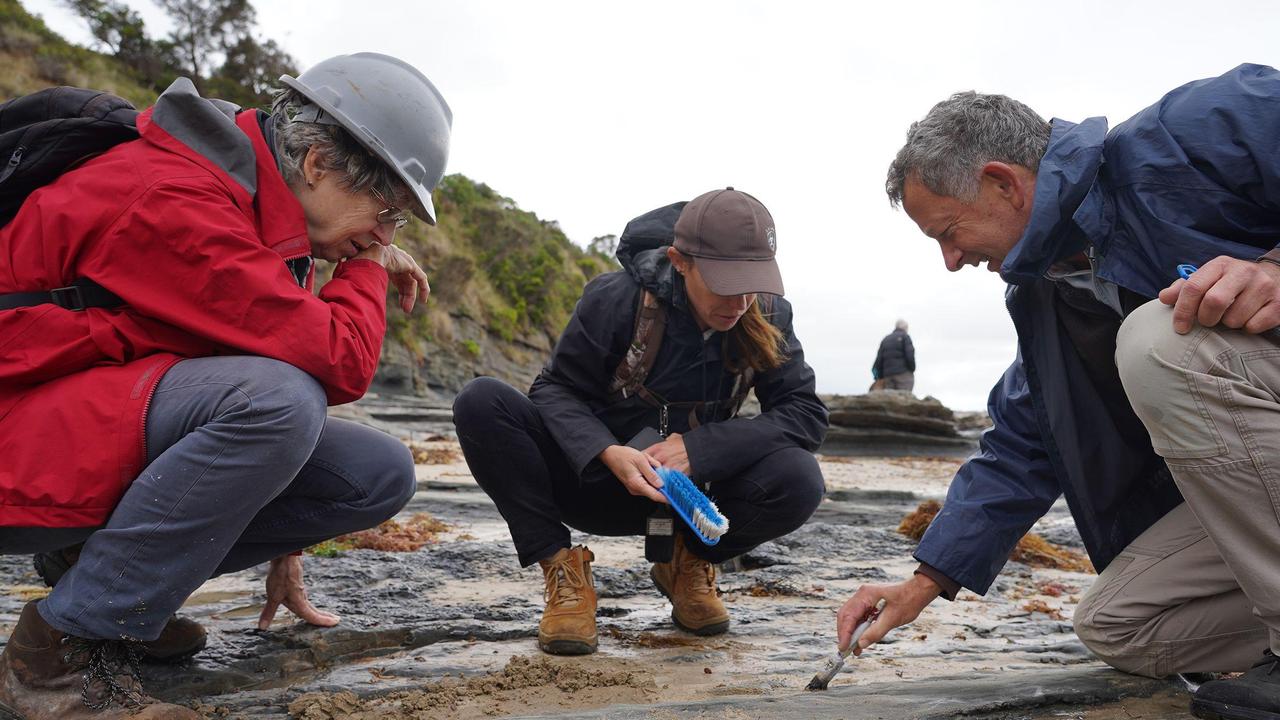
[43, 135]
[46, 133]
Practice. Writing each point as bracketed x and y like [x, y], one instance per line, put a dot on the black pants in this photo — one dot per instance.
[516, 461]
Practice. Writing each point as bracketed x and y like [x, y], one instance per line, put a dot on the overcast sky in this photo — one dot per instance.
[590, 113]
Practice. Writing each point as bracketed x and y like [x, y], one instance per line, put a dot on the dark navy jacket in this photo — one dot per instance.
[1193, 177]
[896, 355]
[572, 394]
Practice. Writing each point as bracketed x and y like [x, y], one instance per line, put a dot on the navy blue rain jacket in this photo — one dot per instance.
[1191, 178]
[572, 395]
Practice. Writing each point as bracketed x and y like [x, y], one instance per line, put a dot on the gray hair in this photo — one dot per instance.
[900, 325]
[947, 149]
[339, 152]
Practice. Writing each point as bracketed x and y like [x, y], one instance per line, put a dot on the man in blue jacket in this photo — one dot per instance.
[1132, 389]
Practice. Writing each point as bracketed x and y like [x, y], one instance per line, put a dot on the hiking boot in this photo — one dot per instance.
[1252, 696]
[568, 624]
[689, 582]
[51, 566]
[181, 637]
[48, 675]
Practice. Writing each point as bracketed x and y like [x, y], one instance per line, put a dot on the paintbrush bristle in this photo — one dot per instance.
[823, 678]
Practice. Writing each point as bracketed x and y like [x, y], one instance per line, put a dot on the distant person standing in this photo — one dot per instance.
[895, 365]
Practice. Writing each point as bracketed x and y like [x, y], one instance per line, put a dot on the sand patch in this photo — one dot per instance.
[526, 684]
[928, 476]
[647, 639]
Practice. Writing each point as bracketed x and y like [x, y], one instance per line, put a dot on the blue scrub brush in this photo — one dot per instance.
[696, 509]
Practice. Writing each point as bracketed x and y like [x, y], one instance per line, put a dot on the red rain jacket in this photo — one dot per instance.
[194, 243]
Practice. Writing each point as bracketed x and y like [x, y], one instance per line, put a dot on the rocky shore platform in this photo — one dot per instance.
[447, 631]
[889, 423]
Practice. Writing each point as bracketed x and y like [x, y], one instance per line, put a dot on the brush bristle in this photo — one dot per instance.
[695, 508]
[708, 526]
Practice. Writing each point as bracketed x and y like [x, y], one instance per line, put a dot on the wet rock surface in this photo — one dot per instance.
[448, 631]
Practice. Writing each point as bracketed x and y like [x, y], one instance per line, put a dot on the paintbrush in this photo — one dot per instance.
[834, 663]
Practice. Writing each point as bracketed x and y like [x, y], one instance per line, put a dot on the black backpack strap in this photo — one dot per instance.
[81, 294]
[633, 370]
[646, 338]
[743, 382]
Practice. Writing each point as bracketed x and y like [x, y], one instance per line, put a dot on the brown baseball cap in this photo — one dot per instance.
[731, 234]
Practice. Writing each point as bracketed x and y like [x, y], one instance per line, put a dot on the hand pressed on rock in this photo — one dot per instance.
[285, 587]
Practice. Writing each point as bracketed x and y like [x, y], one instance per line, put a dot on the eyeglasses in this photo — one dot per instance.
[391, 214]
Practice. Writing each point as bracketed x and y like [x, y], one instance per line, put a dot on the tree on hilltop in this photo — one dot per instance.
[205, 29]
[118, 30]
[213, 43]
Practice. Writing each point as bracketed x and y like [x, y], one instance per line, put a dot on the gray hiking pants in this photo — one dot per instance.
[242, 466]
[900, 381]
[1199, 590]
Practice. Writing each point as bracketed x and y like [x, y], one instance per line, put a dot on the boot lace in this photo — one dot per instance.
[105, 662]
[700, 574]
[564, 584]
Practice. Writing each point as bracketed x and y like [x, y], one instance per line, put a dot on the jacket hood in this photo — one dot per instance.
[642, 250]
[206, 130]
[1067, 171]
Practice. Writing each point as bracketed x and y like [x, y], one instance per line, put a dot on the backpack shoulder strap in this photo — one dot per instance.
[646, 338]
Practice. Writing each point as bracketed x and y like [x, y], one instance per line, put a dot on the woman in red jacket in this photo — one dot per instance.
[181, 432]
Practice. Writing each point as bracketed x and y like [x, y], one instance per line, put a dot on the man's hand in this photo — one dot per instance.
[410, 279]
[285, 587]
[671, 453]
[1236, 293]
[634, 470]
[903, 603]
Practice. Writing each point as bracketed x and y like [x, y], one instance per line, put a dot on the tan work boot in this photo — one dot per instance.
[48, 675]
[689, 582]
[568, 624]
[181, 637]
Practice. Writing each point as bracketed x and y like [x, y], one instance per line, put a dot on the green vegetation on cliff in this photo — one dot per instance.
[503, 281]
[497, 266]
[35, 57]
[214, 43]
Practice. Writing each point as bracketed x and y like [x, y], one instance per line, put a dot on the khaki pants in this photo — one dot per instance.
[1200, 590]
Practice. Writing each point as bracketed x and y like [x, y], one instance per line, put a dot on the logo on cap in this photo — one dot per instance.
[768, 236]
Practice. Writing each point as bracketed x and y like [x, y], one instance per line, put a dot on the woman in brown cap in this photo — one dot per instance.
[651, 371]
